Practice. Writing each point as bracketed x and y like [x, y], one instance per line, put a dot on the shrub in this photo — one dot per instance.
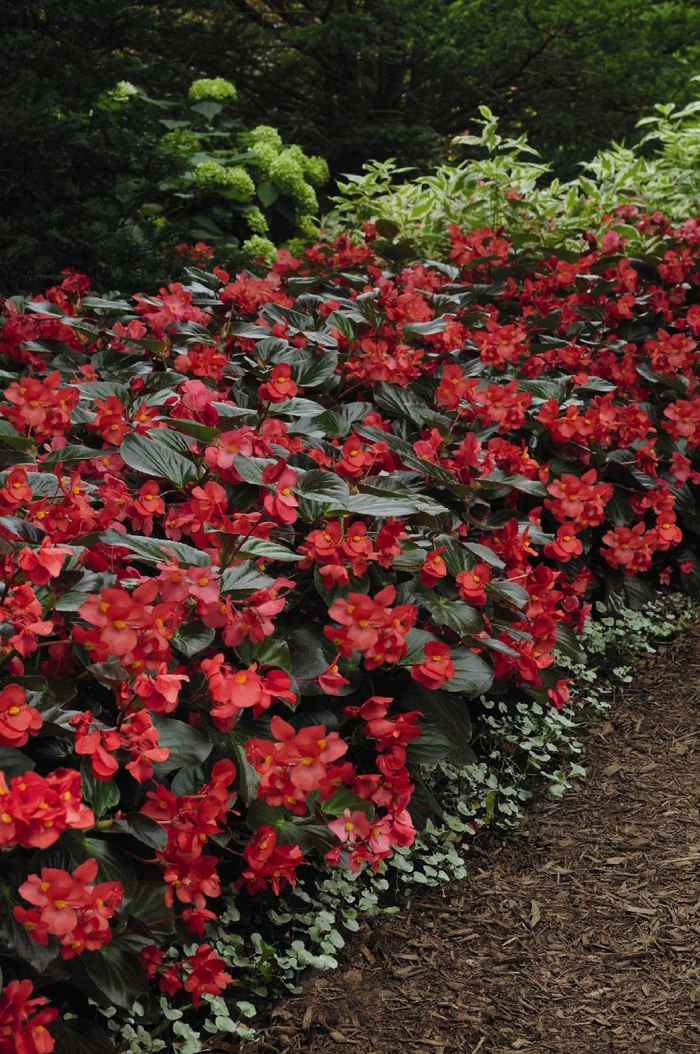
[504, 183]
[270, 546]
[145, 177]
[229, 185]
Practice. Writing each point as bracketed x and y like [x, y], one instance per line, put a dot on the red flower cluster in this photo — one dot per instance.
[35, 810]
[297, 764]
[369, 625]
[163, 313]
[69, 907]
[201, 973]
[340, 549]
[459, 444]
[369, 840]
[436, 668]
[17, 720]
[237, 690]
[40, 408]
[120, 617]
[136, 734]
[472, 584]
[268, 862]
[280, 386]
[370, 837]
[190, 820]
[24, 1020]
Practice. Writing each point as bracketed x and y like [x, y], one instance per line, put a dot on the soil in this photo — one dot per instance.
[579, 933]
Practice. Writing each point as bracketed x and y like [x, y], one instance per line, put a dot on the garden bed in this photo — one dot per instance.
[291, 560]
[576, 933]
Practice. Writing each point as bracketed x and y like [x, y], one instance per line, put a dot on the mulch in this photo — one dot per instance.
[579, 933]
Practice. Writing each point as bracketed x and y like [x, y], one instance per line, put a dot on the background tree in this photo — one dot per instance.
[376, 78]
[59, 195]
[347, 79]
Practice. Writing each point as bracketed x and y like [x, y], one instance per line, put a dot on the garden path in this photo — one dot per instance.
[579, 933]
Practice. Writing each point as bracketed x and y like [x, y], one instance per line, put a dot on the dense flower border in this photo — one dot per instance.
[266, 543]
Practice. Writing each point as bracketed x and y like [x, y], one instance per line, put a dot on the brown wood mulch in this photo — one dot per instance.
[579, 933]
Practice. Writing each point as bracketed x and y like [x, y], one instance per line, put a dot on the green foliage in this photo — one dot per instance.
[228, 186]
[504, 183]
[360, 79]
[107, 179]
[89, 179]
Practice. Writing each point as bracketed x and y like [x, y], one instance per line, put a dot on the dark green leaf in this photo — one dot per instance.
[340, 421]
[10, 437]
[110, 674]
[144, 829]
[287, 831]
[675, 384]
[449, 716]
[22, 529]
[639, 593]
[80, 1036]
[187, 745]
[261, 548]
[596, 384]
[374, 505]
[209, 108]
[13, 762]
[618, 509]
[410, 330]
[268, 652]
[513, 594]
[205, 433]
[458, 616]
[111, 976]
[315, 370]
[103, 304]
[267, 193]
[244, 578]
[157, 550]
[311, 653]
[543, 389]
[482, 552]
[68, 455]
[246, 774]
[324, 487]
[408, 405]
[431, 746]
[249, 331]
[101, 795]
[251, 469]
[103, 390]
[345, 799]
[153, 458]
[473, 675]
[273, 350]
[113, 864]
[416, 639]
[300, 408]
[386, 228]
[497, 478]
[148, 906]
[188, 781]
[192, 638]
[568, 643]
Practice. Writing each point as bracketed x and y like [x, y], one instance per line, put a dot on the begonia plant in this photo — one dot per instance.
[266, 542]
